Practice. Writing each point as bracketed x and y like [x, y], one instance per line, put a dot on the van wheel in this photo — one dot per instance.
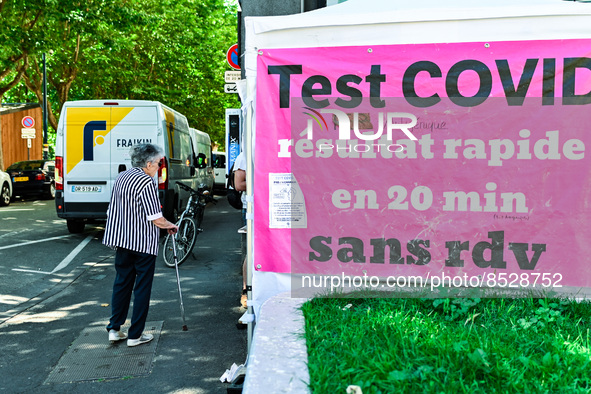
[170, 212]
[75, 226]
[5, 195]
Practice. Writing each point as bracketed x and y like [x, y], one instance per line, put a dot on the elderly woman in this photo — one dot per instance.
[133, 221]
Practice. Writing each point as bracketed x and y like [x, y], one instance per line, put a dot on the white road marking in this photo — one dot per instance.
[64, 263]
[73, 254]
[33, 271]
[34, 242]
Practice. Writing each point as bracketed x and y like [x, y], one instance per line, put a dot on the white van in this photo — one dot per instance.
[202, 146]
[92, 148]
[219, 170]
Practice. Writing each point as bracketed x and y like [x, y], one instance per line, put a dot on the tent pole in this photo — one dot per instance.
[249, 216]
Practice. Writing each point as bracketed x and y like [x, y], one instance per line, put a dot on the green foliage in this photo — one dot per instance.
[161, 50]
[448, 345]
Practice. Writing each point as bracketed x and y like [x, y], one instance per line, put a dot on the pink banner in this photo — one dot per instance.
[467, 160]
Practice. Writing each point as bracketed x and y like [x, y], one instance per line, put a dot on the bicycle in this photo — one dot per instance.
[189, 227]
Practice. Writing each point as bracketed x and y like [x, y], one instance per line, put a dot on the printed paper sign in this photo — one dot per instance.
[287, 206]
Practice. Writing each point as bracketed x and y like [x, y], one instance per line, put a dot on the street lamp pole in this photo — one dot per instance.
[45, 144]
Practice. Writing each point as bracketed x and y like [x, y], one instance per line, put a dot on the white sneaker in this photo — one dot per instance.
[145, 338]
[115, 336]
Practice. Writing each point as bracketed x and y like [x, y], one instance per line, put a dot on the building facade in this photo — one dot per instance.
[14, 147]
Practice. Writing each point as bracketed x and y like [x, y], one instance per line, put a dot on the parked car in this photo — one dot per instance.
[5, 188]
[32, 177]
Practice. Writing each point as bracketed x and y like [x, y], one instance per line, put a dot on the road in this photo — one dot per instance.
[37, 251]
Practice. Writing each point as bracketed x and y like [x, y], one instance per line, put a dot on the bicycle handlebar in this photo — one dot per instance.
[186, 187]
[199, 193]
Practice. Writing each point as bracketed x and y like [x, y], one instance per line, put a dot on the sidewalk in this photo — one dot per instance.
[58, 344]
[278, 361]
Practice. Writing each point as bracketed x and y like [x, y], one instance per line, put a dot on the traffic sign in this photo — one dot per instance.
[230, 88]
[28, 133]
[232, 76]
[28, 122]
[233, 58]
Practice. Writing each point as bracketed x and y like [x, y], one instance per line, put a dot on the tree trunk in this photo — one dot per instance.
[34, 83]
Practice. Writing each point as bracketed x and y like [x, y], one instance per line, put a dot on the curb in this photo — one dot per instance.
[278, 359]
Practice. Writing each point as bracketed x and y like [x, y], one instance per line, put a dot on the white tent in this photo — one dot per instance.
[362, 22]
[390, 22]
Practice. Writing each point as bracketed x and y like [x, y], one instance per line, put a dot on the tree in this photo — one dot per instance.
[76, 33]
[162, 50]
[18, 29]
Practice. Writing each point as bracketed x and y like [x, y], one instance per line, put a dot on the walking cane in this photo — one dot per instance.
[178, 281]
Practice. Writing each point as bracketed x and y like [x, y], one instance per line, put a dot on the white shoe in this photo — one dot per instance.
[145, 338]
[115, 336]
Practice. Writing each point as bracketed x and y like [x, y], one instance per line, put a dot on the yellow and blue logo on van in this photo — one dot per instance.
[87, 129]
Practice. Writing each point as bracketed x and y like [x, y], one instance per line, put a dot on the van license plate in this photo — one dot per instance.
[86, 189]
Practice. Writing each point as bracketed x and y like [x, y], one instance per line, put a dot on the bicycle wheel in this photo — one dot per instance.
[185, 241]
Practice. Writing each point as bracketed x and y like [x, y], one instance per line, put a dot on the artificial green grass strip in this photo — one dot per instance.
[463, 345]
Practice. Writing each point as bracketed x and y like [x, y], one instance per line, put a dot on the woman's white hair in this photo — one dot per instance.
[143, 153]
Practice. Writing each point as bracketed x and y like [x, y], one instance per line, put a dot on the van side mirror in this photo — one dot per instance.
[201, 161]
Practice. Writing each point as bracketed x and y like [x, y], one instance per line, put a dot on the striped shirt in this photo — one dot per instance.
[134, 204]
